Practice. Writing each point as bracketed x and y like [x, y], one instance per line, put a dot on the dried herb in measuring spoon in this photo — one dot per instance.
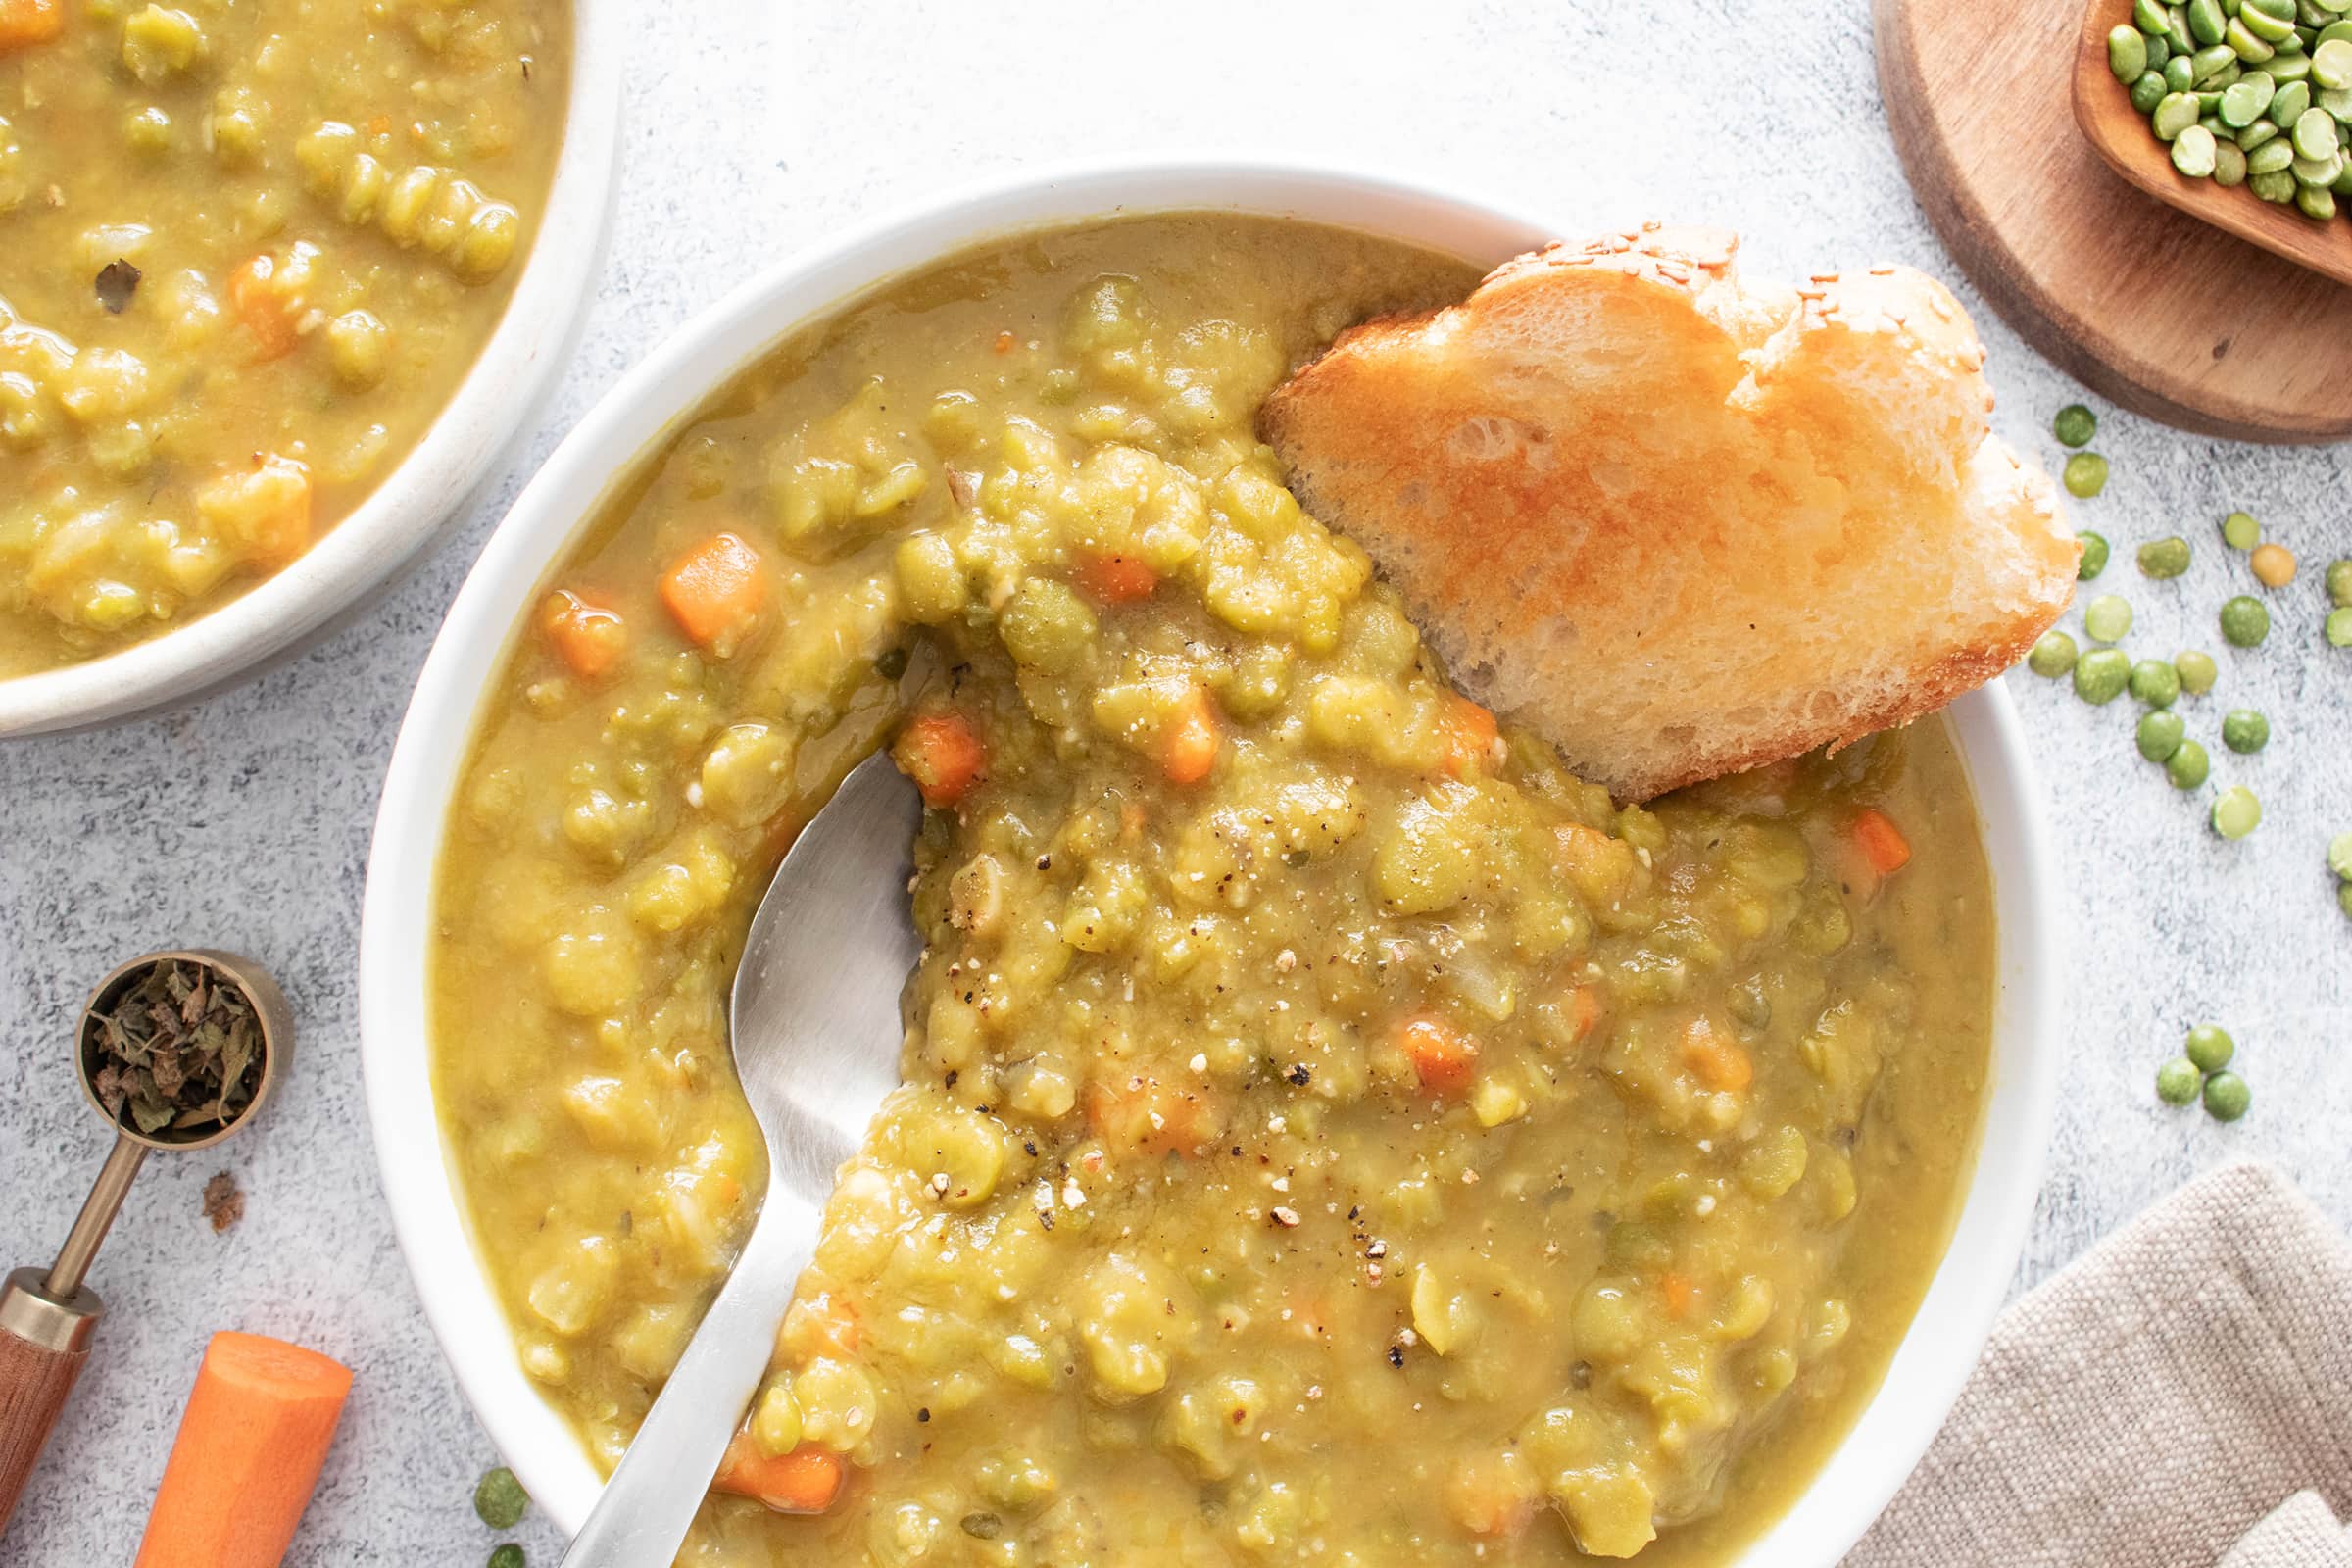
[175, 1049]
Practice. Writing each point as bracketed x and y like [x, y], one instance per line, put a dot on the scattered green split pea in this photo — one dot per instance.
[2246, 730]
[2108, 617]
[2155, 683]
[2246, 622]
[507, 1556]
[2177, 1081]
[2240, 531]
[2197, 672]
[2237, 812]
[2210, 1048]
[2163, 557]
[2101, 674]
[2339, 582]
[2189, 766]
[498, 1499]
[2159, 735]
[2052, 656]
[2226, 1097]
[2086, 473]
[2074, 425]
[2094, 555]
[2339, 857]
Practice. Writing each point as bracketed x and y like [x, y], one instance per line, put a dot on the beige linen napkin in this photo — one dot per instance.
[2152, 1403]
[2300, 1533]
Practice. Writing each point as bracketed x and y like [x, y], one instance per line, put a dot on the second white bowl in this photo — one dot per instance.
[389, 531]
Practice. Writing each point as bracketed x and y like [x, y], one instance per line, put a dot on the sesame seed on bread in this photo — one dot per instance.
[1680, 523]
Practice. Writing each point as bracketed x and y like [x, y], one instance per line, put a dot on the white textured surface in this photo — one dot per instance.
[243, 823]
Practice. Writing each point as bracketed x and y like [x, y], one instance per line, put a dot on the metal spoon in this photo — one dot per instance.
[814, 1025]
[48, 1316]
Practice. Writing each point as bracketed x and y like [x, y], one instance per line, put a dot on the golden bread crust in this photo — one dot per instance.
[1677, 523]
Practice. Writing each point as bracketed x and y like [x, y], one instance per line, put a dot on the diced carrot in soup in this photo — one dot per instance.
[1147, 1116]
[1187, 745]
[1470, 736]
[942, 754]
[1444, 1058]
[262, 511]
[804, 1481]
[270, 294]
[23, 23]
[589, 638]
[1719, 1063]
[1116, 579]
[1882, 842]
[822, 1324]
[1490, 1495]
[1583, 1010]
[715, 591]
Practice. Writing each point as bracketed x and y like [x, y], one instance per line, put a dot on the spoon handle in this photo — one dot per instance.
[44, 1340]
[643, 1513]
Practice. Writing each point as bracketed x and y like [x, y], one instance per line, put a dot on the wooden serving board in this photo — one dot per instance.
[2149, 306]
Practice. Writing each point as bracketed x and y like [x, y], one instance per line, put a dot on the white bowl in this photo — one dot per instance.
[659, 395]
[364, 554]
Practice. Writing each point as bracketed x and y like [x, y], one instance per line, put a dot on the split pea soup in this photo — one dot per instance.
[1330, 1132]
[247, 253]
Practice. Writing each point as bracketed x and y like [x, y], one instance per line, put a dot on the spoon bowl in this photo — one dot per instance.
[814, 1023]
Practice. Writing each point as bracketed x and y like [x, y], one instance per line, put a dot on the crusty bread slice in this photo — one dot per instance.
[1680, 524]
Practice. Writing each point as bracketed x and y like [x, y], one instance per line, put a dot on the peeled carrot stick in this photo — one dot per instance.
[250, 1442]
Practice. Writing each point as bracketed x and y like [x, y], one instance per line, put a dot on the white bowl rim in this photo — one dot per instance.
[1940, 1346]
[428, 490]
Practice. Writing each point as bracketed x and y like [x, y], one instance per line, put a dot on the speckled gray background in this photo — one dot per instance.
[753, 130]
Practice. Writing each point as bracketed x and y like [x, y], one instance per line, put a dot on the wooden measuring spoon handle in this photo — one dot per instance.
[43, 1343]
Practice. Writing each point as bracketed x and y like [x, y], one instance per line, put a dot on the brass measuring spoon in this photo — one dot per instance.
[47, 1316]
